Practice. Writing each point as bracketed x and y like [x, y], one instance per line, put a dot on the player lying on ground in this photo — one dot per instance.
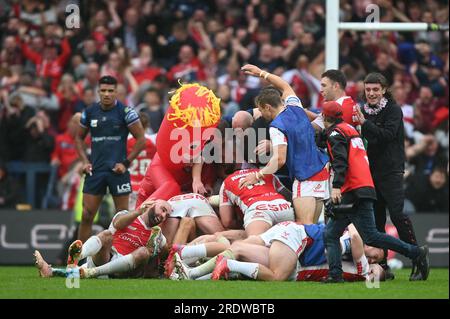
[132, 238]
[194, 206]
[287, 251]
[261, 203]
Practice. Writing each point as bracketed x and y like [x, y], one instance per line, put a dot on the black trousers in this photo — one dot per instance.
[391, 195]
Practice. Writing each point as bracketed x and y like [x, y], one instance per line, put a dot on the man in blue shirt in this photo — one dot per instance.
[109, 123]
[293, 142]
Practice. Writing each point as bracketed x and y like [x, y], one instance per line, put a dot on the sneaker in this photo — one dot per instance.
[423, 265]
[170, 263]
[154, 240]
[74, 253]
[181, 269]
[332, 280]
[221, 270]
[45, 270]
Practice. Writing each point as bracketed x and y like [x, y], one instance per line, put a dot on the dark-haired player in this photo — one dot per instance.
[109, 123]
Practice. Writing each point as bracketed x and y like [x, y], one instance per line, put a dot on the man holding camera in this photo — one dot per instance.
[353, 184]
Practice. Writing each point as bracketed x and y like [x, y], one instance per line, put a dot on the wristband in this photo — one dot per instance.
[126, 163]
[265, 76]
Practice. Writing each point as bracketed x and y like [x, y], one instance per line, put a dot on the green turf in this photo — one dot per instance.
[23, 282]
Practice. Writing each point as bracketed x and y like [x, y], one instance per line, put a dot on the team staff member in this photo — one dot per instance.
[109, 123]
[353, 184]
[382, 126]
[293, 142]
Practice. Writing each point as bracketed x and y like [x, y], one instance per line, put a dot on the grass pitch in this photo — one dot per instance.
[23, 282]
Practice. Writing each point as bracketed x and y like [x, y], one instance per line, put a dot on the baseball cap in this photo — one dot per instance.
[332, 109]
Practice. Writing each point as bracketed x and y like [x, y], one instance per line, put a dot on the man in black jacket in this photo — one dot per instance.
[353, 184]
[382, 126]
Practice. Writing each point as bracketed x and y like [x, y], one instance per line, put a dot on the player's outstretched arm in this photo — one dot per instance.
[273, 79]
[124, 220]
[277, 82]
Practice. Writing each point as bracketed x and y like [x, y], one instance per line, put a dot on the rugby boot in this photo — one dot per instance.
[221, 270]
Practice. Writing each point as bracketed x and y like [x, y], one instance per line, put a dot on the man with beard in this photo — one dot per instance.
[132, 238]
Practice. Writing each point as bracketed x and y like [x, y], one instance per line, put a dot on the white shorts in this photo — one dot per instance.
[317, 189]
[271, 212]
[292, 235]
[191, 205]
[289, 233]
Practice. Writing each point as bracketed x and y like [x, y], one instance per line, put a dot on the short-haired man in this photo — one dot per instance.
[293, 142]
[353, 185]
[332, 88]
[109, 123]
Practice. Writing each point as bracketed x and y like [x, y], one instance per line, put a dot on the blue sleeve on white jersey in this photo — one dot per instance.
[131, 115]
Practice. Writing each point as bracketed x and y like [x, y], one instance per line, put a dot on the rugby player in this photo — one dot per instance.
[132, 238]
[293, 142]
[287, 251]
[109, 123]
[261, 203]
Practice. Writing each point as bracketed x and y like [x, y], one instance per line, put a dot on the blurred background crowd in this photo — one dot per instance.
[48, 72]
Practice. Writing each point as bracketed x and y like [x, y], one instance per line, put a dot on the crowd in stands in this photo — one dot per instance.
[48, 71]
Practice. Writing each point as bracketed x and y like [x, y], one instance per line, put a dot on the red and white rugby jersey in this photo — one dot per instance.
[127, 240]
[265, 190]
[317, 273]
[348, 110]
[139, 165]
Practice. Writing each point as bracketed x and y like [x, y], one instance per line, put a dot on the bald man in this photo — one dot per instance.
[242, 119]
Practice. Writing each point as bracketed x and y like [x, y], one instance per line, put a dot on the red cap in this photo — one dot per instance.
[332, 109]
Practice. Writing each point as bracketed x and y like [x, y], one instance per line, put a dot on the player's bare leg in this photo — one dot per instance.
[305, 208]
[104, 254]
[318, 211]
[169, 228]
[257, 227]
[44, 269]
[186, 230]
[121, 202]
[249, 252]
[282, 262]
[209, 224]
[91, 204]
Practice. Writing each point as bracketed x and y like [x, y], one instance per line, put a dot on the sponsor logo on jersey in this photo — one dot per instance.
[124, 188]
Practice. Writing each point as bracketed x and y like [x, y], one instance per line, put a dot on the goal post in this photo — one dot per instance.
[333, 26]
